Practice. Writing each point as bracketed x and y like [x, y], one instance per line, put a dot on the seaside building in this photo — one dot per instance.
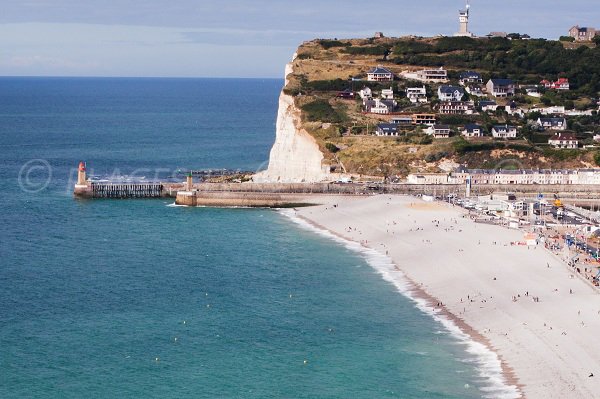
[552, 123]
[463, 21]
[439, 75]
[560, 84]
[475, 90]
[380, 74]
[378, 106]
[387, 129]
[469, 77]
[450, 93]
[583, 34]
[365, 93]
[387, 94]
[477, 177]
[488, 105]
[423, 119]
[438, 131]
[472, 130]
[504, 132]
[500, 87]
[455, 107]
[564, 140]
[402, 120]
[416, 94]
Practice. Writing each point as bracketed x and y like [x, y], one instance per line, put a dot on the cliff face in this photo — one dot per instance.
[295, 156]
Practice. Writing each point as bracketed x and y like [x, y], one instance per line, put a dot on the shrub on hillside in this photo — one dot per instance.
[321, 111]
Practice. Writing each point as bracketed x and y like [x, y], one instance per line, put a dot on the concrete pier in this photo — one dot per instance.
[240, 199]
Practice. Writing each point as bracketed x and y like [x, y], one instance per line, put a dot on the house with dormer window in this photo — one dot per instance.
[504, 132]
[450, 93]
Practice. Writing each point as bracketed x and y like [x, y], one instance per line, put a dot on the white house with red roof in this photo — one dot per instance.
[560, 84]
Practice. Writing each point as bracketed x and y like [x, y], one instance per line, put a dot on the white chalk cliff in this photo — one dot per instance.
[295, 156]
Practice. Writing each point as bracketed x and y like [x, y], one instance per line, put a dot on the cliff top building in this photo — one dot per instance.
[463, 19]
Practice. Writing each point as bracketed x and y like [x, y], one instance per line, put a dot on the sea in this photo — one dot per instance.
[144, 299]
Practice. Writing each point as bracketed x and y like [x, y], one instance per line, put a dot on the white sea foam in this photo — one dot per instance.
[176, 205]
[493, 383]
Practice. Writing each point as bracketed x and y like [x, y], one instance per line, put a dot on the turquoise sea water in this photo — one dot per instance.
[138, 298]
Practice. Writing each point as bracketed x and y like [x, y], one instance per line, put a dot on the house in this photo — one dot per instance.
[555, 110]
[438, 131]
[469, 77]
[455, 107]
[563, 140]
[432, 75]
[378, 106]
[496, 34]
[346, 94]
[450, 93]
[583, 34]
[423, 119]
[472, 130]
[387, 94]
[552, 123]
[533, 92]
[387, 129]
[379, 35]
[513, 109]
[500, 87]
[402, 120]
[474, 90]
[416, 94]
[427, 178]
[560, 84]
[380, 74]
[504, 132]
[365, 93]
[487, 105]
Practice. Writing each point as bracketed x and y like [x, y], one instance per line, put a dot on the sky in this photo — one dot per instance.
[237, 38]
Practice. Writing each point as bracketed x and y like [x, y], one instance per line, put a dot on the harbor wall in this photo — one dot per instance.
[239, 199]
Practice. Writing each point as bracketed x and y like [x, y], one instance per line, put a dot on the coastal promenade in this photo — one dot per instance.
[523, 303]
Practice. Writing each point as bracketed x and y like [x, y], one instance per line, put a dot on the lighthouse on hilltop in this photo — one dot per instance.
[463, 19]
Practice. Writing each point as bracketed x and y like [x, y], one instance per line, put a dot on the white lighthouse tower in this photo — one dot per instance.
[463, 19]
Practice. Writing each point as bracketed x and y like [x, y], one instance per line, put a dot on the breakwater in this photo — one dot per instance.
[296, 194]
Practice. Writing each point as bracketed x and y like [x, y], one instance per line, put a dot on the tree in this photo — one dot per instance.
[566, 39]
[596, 40]
[597, 158]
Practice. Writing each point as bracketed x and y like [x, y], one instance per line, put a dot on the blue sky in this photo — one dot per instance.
[237, 38]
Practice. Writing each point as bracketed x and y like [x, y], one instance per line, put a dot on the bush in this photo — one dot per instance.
[566, 39]
[321, 111]
[597, 158]
[326, 85]
[372, 50]
[422, 139]
[433, 157]
[327, 44]
[332, 148]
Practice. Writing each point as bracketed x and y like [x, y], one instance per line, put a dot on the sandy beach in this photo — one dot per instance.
[522, 303]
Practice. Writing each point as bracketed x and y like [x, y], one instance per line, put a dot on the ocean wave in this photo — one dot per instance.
[487, 362]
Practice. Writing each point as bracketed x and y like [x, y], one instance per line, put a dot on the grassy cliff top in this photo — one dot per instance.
[344, 132]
